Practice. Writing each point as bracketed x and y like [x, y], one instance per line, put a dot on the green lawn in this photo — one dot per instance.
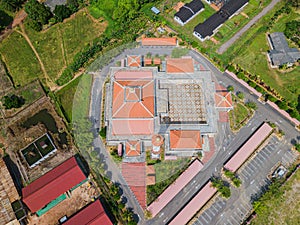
[20, 60]
[283, 209]
[251, 53]
[56, 47]
[66, 95]
[238, 115]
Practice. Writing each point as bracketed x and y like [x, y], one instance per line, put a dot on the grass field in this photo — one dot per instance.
[66, 95]
[285, 208]
[20, 59]
[251, 53]
[56, 47]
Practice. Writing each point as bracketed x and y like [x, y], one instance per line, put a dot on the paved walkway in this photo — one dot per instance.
[227, 44]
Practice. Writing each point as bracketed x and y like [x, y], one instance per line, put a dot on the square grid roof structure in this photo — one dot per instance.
[185, 101]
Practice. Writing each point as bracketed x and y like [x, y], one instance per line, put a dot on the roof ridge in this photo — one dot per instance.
[52, 180]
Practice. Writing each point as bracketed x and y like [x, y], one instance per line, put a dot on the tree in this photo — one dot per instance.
[251, 105]
[230, 88]
[38, 11]
[35, 25]
[13, 101]
[240, 95]
[61, 12]
[282, 104]
[73, 5]
[297, 146]
[11, 5]
[5, 20]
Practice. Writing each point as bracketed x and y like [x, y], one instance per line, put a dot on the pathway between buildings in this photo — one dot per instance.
[227, 44]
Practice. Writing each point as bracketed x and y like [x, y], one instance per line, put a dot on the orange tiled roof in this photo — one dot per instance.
[156, 61]
[147, 61]
[133, 148]
[185, 139]
[223, 99]
[169, 41]
[133, 99]
[180, 65]
[134, 60]
[133, 74]
[132, 127]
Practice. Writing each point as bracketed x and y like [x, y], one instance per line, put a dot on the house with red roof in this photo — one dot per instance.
[50, 189]
[93, 214]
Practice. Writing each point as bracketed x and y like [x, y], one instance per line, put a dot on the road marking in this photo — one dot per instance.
[234, 219]
[252, 181]
[207, 215]
[161, 214]
[229, 152]
[204, 218]
[260, 160]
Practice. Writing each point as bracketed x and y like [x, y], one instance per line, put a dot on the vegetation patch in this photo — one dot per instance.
[280, 204]
[239, 116]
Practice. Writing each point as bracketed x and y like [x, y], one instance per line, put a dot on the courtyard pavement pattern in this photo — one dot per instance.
[226, 144]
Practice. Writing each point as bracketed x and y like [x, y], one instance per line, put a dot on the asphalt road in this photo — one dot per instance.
[238, 34]
[227, 142]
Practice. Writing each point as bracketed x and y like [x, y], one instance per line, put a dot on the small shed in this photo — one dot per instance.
[155, 10]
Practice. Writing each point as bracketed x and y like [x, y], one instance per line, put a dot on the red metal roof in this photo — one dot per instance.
[175, 187]
[248, 148]
[93, 214]
[172, 41]
[52, 184]
[185, 139]
[186, 214]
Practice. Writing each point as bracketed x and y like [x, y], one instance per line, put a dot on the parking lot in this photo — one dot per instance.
[253, 174]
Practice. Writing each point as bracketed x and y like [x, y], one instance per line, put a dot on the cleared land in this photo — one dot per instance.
[285, 208]
[56, 47]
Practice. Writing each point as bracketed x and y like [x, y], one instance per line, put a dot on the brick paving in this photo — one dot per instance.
[208, 155]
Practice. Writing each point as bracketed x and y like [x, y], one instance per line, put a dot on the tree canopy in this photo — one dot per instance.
[13, 101]
[61, 12]
[38, 11]
[11, 5]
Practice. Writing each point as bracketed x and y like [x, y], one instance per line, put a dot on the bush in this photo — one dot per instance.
[259, 89]
[229, 174]
[35, 25]
[236, 181]
[241, 75]
[102, 132]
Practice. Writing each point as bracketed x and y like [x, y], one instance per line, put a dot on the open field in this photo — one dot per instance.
[66, 95]
[56, 47]
[285, 208]
[250, 52]
[20, 60]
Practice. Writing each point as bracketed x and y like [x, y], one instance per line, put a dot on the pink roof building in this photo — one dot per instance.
[248, 148]
[175, 187]
[203, 196]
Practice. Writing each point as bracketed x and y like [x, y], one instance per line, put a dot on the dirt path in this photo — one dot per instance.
[57, 88]
[23, 33]
[230, 42]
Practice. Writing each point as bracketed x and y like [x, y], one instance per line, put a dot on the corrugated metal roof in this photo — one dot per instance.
[175, 187]
[248, 148]
[52, 184]
[93, 214]
[203, 196]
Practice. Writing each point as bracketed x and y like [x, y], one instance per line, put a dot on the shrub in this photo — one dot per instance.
[271, 98]
[236, 181]
[103, 132]
[252, 84]
[241, 75]
[259, 89]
